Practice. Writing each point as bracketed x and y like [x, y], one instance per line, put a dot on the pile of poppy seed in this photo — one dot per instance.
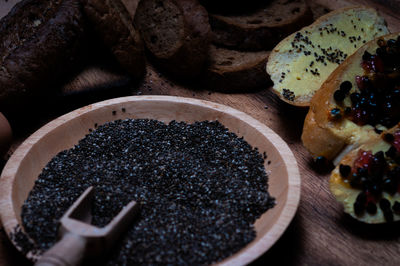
[200, 188]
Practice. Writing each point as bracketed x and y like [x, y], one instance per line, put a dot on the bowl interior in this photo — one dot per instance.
[63, 133]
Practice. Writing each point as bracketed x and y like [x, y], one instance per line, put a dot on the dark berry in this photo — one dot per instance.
[346, 86]
[388, 137]
[366, 56]
[339, 95]
[389, 185]
[391, 42]
[392, 152]
[388, 215]
[371, 207]
[384, 204]
[344, 170]
[335, 113]
[355, 97]
[359, 204]
[396, 207]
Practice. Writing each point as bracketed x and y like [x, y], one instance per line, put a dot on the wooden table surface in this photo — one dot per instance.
[320, 233]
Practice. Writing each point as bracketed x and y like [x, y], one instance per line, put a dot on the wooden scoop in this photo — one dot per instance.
[79, 239]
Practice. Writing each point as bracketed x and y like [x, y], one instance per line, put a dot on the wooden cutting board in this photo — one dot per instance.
[320, 234]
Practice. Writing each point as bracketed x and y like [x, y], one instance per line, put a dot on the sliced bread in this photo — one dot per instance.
[300, 63]
[367, 180]
[260, 29]
[177, 34]
[39, 41]
[231, 70]
[114, 25]
[358, 100]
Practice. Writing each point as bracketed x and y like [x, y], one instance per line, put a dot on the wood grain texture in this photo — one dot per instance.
[320, 234]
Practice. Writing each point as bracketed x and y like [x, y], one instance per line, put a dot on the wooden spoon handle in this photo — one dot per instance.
[5, 134]
[69, 251]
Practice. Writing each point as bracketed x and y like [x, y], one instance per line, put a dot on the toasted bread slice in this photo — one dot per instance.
[114, 25]
[39, 43]
[177, 34]
[300, 63]
[232, 70]
[352, 110]
[260, 28]
[367, 179]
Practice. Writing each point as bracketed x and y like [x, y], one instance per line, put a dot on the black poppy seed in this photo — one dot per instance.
[200, 187]
[288, 94]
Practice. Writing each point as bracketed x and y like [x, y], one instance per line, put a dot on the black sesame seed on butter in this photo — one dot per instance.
[200, 189]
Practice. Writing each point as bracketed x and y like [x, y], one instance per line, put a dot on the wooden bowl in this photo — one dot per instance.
[64, 132]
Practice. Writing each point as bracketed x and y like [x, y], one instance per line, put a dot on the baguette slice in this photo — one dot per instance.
[363, 192]
[177, 34]
[353, 122]
[300, 63]
[39, 43]
[114, 25]
[262, 28]
[231, 70]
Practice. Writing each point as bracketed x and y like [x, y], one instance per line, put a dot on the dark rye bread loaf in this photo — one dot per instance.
[38, 42]
[114, 25]
[177, 34]
[260, 29]
[231, 70]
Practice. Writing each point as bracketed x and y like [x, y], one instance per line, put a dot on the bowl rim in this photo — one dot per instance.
[8, 216]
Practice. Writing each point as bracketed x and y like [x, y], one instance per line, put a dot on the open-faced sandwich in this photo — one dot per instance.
[367, 180]
[357, 102]
[301, 63]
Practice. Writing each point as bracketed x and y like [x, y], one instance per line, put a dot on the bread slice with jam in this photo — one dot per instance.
[358, 101]
[301, 63]
[367, 180]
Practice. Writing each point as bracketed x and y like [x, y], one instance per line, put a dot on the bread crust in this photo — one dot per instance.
[34, 56]
[241, 32]
[237, 76]
[343, 132]
[189, 58]
[114, 25]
